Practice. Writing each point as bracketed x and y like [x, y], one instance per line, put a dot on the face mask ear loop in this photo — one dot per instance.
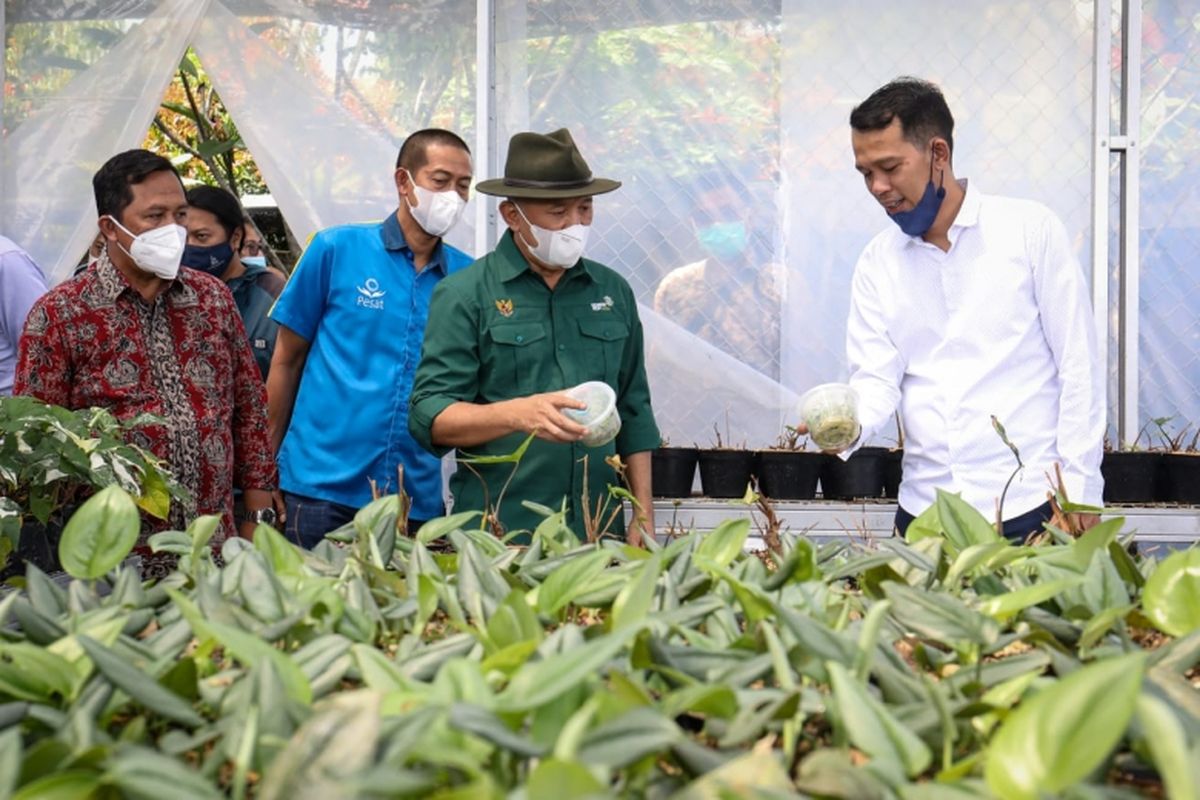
[118, 241]
[411, 182]
[941, 190]
[527, 222]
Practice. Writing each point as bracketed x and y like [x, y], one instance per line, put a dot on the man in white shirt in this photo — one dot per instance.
[972, 306]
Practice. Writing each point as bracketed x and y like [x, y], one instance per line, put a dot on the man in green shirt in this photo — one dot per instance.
[510, 333]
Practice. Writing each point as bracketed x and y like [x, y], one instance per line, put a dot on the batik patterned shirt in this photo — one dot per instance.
[183, 357]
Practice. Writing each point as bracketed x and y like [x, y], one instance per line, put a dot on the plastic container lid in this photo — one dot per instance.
[601, 419]
[831, 413]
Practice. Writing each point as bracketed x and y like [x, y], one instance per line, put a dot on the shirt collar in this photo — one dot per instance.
[112, 283]
[393, 239]
[967, 217]
[513, 264]
[968, 212]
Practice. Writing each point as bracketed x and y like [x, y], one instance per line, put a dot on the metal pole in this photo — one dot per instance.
[3, 127]
[485, 120]
[1101, 100]
[1131, 115]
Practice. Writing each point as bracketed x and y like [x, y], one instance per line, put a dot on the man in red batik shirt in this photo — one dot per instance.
[136, 335]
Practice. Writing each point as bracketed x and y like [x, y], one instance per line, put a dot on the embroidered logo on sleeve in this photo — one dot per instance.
[370, 295]
[505, 307]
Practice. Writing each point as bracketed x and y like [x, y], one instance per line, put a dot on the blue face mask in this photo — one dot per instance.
[920, 219]
[255, 261]
[212, 260]
[724, 241]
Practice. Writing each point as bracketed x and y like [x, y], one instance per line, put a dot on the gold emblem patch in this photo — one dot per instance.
[505, 307]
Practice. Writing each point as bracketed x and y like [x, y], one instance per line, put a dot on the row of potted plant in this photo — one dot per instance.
[1150, 476]
[872, 472]
[1167, 472]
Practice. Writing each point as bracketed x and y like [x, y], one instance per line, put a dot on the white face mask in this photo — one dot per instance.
[435, 212]
[560, 249]
[157, 251]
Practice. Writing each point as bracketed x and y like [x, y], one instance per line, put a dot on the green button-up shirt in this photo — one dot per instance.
[497, 332]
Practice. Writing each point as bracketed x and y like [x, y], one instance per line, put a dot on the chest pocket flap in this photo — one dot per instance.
[517, 334]
[607, 330]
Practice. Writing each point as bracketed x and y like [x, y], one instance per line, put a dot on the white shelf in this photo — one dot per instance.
[1175, 526]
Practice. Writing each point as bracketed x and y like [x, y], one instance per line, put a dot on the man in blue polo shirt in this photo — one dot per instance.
[352, 320]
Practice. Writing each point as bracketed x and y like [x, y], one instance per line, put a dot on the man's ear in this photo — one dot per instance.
[402, 179]
[237, 237]
[108, 228]
[941, 151]
[510, 215]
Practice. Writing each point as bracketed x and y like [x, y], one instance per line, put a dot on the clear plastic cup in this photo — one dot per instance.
[831, 413]
[601, 419]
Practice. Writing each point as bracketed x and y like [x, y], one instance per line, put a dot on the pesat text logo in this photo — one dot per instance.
[369, 294]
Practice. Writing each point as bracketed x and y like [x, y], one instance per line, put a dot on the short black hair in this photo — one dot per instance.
[111, 182]
[221, 204]
[918, 103]
[412, 155]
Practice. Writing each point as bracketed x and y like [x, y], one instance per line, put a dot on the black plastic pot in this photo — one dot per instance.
[673, 471]
[38, 545]
[1179, 478]
[789, 474]
[893, 471]
[1131, 477]
[858, 478]
[725, 473]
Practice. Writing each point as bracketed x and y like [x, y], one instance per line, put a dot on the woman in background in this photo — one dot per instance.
[216, 236]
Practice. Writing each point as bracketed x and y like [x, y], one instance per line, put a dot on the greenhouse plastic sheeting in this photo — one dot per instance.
[741, 216]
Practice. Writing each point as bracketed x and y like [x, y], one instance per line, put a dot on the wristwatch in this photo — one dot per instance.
[261, 515]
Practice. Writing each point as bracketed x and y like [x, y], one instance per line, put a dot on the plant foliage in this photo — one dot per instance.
[951, 666]
[52, 459]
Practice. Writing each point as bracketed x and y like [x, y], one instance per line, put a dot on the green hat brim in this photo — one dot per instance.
[498, 188]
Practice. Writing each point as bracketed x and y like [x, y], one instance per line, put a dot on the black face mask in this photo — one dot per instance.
[212, 260]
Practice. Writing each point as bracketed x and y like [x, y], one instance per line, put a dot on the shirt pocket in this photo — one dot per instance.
[603, 347]
[519, 356]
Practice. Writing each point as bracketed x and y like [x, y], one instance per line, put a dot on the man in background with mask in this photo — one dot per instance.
[352, 318]
[972, 305]
[525, 322]
[137, 335]
[730, 298]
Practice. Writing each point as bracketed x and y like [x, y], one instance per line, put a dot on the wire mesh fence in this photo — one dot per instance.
[741, 216]
[1169, 238]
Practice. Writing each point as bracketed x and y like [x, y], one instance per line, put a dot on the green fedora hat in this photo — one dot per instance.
[545, 166]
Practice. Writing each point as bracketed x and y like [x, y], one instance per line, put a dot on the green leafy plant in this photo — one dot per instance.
[1176, 441]
[790, 439]
[1003, 434]
[952, 665]
[52, 459]
[491, 516]
[1172, 594]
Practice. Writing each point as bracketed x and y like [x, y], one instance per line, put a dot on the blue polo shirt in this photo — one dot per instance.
[358, 300]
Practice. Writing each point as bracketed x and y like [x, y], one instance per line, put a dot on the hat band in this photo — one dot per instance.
[532, 184]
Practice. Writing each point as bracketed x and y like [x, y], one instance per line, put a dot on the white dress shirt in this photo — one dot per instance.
[999, 325]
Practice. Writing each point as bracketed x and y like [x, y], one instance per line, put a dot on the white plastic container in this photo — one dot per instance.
[601, 419]
[831, 413]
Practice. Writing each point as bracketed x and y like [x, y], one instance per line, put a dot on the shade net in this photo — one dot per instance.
[741, 216]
